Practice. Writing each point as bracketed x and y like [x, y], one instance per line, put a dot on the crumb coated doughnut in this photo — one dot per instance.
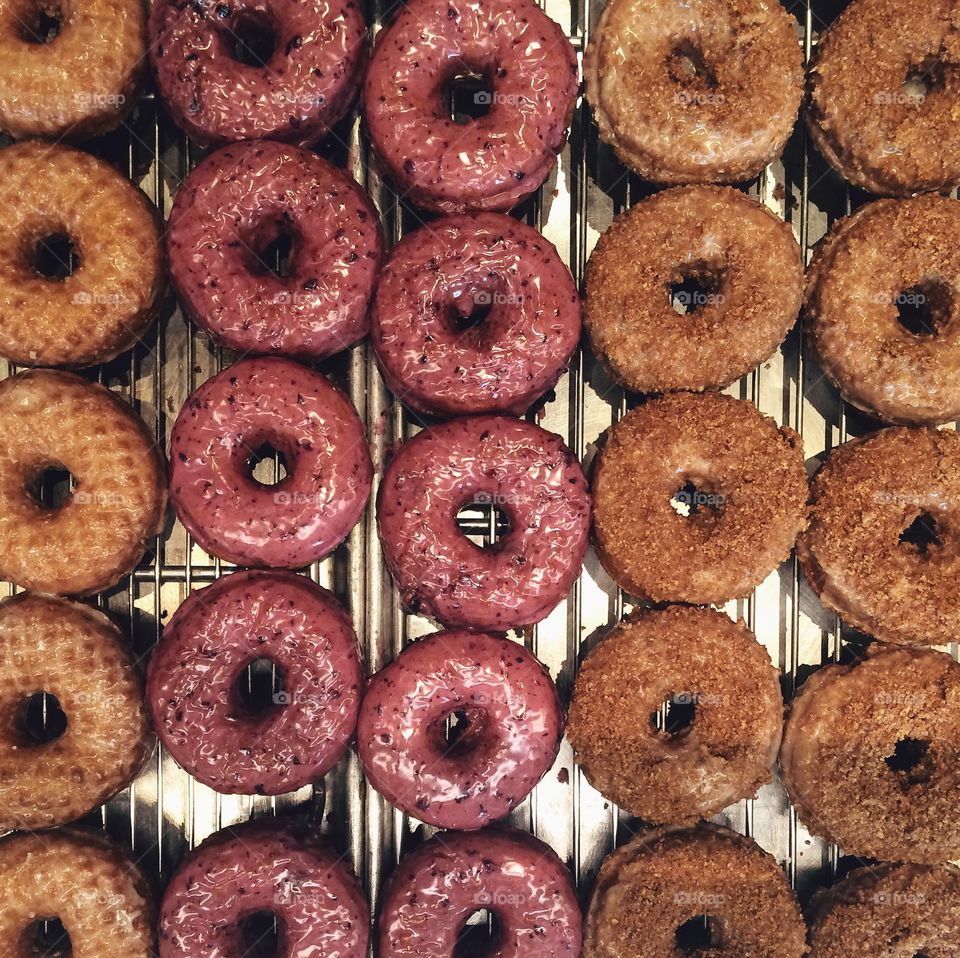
[883, 546]
[705, 91]
[510, 723]
[743, 483]
[647, 890]
[105, 305]
[56, 420]
[871, 755]
[749, 282]
[720, 737]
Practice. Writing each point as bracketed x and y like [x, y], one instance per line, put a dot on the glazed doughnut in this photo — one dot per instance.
[883, 91]
[437, 280]
[891, 260]
[520, 468]
[704, 92]
[237, 70]
[655, 891]
[227, 213]
[870, 753]
[868, 498]
[494, 161]
[721, 733]
[749, 282]
[215, 634]
[263, 866]
[56, 420]
[105, 305]
[742, 481]
[508, 736]
[315, 428]
[435, 890]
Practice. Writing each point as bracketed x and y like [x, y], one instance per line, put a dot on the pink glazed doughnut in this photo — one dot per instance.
[522, 469]
[214, 635]
[231, 207]
[518, 878]
[441, 277]
[311, 423]
[508, 736]
[494, 161]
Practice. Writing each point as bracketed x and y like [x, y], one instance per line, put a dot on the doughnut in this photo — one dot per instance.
[746, 277]
[869, 755]
[434, 891]
[528, 73]
[882, 309]
[883, 91]
[717, 740]
[54, 200]
[57, 421]
[232, 70]
[697, 498]
[509, 723]
[212, 638]
[703, 890]
[229, 211]
[263, 866]
[91, 885]
[474, 314]
[704, 92]
[316, 430]
[882, 546]
[522, 470]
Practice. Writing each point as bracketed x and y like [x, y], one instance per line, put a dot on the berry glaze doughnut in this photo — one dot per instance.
[232, 70]
[436, 889]
[526, 472]
[437, 280]
[317, 431]
[229, 211]
[508, 736]
[494, 161]
[212, 638]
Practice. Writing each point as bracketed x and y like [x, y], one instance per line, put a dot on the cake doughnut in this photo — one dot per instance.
[881, 549]
[870, 751]
[53, 194]
[228, 212]
[508, 736]
[437, 280]
[55, 420]
[259, 866]
[213, 636]
[883, 91]
[704, 92]
[652, 896]
[434, 891]
[317, 431]
[520, 468]
[747, 273]
[493, 161]
[718, 739]
[232, 70]
[741, 491]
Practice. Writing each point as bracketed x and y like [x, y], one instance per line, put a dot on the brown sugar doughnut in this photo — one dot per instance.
[716, 742]
[53, 420]
[740, 479]
[871, 755]
[883, 545]
[704, 891]
[695, 92]
[884, 86]
[746, 276]
[883, 309]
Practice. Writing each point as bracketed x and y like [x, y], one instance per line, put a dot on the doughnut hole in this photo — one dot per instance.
[45, 938]
[480, 314]
[469, 93]
[924, 78]
[261, 935]
[267, 465]
[53, 255]
[39, 720]
[51, 487]
[676, 715]
[480, 935]
[695, 287]
[926, 309]
[922, 536]
[699, 500]
[911, 761]
[484, 520]
[251, 38]
[272, 245]
[268, 461]
[258, 689]
[689, 68]
[699, 934]
[458, 733]
[43, 22]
